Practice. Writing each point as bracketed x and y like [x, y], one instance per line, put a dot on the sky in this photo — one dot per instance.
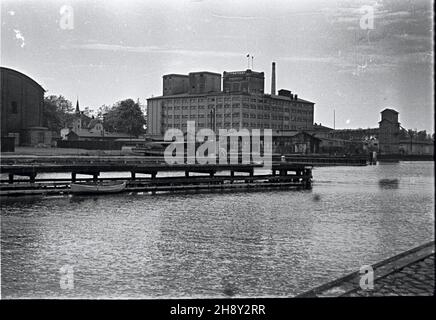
[351, 58]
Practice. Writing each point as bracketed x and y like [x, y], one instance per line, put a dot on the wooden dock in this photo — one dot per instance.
[182, 177]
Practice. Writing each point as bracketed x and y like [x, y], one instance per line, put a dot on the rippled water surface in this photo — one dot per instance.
[275, 243]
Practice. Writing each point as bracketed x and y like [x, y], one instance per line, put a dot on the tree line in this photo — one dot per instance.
[123, 116]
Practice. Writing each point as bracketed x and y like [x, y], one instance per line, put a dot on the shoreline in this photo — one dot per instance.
[386, 272]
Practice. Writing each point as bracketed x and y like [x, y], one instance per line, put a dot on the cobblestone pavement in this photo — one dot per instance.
[416, 279]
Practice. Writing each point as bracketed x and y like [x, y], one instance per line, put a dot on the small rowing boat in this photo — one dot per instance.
[98, 187]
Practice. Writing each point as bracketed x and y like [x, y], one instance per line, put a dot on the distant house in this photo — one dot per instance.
[319, 130]
[336, 146]
[297, 142]
[95, 131]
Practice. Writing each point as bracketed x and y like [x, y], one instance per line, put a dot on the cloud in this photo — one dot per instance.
[153, 49]
[20, 37]
[238, 17]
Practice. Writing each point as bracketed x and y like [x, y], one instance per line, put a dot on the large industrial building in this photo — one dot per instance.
[241, 103]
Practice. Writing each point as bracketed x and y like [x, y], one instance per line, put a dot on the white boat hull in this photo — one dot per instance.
[97, 188]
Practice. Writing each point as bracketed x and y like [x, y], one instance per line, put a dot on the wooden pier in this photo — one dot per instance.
[179, 177]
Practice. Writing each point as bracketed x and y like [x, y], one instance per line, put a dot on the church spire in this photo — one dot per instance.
[77, 106]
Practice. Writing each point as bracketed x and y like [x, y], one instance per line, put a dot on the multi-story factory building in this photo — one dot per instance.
[241, 104]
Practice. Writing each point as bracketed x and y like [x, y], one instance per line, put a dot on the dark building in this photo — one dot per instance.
[295, 142]
[243, 81]
[204, 82]
[389, 132]
[175, 84]
[22, 104]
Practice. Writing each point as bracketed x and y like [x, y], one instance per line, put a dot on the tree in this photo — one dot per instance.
[102, 111]
[58, 112]
[421, 135]
[125, 116]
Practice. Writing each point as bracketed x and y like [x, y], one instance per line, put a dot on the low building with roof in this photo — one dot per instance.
[295, 142]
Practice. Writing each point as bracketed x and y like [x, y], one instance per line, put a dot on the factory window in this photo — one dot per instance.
[14, 107]
[193, 107]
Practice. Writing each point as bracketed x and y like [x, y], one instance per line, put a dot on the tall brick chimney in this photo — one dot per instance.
[273, 79]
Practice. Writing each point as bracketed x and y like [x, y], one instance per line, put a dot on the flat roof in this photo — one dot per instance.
[175, 75]
[222, 93]
[208, 72]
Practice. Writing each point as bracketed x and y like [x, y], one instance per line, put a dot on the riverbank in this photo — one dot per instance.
[410, 273]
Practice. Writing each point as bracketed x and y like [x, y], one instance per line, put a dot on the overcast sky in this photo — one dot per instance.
[120, 49]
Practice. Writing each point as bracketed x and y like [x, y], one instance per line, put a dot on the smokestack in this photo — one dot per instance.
[273, 79]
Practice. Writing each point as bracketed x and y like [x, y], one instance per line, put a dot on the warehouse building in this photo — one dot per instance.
[241, 104]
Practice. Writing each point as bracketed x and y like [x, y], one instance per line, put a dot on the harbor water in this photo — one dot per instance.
[241, 244]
